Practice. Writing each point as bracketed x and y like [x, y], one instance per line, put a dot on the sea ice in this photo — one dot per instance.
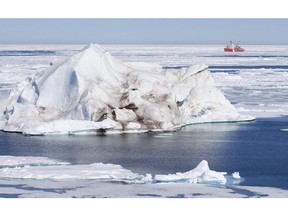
[92, 92]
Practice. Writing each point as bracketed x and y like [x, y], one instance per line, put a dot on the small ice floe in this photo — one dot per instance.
[200, 174]
[285, 129]
[236, 175]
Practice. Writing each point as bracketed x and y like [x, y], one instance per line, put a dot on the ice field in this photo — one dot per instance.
[255, 82]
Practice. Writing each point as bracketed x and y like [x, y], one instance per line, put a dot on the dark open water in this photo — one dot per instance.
[258, 150]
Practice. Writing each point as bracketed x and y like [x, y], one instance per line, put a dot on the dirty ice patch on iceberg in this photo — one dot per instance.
[93, 91]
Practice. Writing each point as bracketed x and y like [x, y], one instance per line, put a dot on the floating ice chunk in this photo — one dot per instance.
[236, 175]
[200, 174]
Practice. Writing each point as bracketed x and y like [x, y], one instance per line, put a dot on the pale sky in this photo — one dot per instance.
[153, 31]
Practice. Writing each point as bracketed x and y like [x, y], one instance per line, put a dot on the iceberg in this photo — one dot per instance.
[91, 92]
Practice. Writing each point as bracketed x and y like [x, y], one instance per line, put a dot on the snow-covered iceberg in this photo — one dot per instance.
[92, 92]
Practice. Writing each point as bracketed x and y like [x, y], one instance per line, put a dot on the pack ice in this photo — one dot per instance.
[92, 92]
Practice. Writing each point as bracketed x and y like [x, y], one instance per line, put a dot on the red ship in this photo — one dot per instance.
[233, 48]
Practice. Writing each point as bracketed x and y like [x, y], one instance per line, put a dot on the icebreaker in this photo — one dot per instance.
[91, 92]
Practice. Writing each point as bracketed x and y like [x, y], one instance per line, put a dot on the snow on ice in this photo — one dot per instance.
[92, 92]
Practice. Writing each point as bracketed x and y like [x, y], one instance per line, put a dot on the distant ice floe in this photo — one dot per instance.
[45, 168]
[91, 92]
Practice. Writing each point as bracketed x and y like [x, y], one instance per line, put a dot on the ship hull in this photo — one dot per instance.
[233, 50]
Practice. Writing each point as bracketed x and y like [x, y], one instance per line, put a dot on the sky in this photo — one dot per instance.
[144, 31]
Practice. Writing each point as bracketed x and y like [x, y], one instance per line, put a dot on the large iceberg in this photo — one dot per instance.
[92, 92]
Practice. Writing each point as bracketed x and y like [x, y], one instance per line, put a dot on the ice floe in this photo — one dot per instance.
[45, 168]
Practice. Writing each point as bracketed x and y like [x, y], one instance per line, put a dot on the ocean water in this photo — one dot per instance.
[255, 82]
[258, 150]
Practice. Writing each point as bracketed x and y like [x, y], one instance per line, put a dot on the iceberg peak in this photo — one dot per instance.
[95, 47]
[203, 166]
